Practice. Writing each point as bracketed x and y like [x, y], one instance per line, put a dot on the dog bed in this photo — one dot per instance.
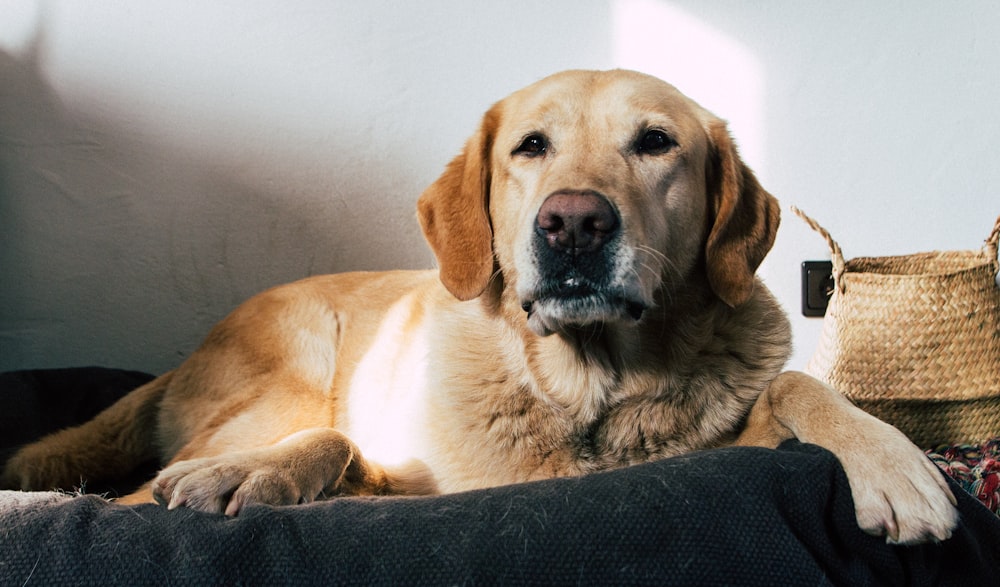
[736, 516]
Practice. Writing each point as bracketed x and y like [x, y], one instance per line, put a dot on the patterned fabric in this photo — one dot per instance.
[976, 468]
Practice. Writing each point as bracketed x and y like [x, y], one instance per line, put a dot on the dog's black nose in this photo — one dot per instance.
[576, 222]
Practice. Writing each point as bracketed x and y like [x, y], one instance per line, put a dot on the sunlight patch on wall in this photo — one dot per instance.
[718, 72]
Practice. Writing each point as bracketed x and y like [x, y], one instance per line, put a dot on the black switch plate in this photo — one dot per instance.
[817, 285]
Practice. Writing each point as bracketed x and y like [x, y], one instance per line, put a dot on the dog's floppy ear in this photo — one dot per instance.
[744, 223]
[454, 215]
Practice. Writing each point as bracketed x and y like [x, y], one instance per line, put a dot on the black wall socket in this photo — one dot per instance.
[817, 285]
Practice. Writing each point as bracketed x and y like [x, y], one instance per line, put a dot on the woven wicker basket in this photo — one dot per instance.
[915, 340]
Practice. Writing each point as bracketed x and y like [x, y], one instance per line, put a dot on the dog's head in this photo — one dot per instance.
[589, 192]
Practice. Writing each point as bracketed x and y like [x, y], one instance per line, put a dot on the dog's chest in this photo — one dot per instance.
[502, 433]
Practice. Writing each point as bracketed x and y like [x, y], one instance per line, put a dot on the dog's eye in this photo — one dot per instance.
[654, 142]
[532, 146]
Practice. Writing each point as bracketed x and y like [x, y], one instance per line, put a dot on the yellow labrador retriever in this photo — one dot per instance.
[596, 306]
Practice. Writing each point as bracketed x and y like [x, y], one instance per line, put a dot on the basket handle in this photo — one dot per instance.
[837, 255]
[991, 241]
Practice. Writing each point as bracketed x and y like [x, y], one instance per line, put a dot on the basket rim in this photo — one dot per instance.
[965, 261]
[989, 253]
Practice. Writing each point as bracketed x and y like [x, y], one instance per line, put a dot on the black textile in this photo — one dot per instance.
[737, 516]
[34, 403]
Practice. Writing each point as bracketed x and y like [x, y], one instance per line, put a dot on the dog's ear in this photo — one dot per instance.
[454, 215]
[744, 220]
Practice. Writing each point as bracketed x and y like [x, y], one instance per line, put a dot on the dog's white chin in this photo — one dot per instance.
[551, 315]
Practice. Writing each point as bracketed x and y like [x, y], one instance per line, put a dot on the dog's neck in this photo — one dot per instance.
[582, 369]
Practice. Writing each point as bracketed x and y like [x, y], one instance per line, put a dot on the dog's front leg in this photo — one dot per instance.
[897, 491]
[315, 463]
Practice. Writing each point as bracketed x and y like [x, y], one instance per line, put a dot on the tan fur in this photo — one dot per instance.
[476, 375]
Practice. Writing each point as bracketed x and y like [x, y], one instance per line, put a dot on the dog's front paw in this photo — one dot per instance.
[898, 492]
[227, 485]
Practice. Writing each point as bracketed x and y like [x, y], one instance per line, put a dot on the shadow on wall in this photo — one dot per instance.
[106, 235]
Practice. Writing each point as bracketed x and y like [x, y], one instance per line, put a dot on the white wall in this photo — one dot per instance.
[162, 160]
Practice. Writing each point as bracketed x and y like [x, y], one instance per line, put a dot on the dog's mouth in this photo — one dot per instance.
[577, 303]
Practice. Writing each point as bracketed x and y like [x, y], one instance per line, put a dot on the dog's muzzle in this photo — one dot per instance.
[576, 241]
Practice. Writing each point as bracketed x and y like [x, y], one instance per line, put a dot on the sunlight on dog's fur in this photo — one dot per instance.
[595, 306]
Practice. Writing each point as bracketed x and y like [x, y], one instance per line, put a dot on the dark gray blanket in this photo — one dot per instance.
[738, 516]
